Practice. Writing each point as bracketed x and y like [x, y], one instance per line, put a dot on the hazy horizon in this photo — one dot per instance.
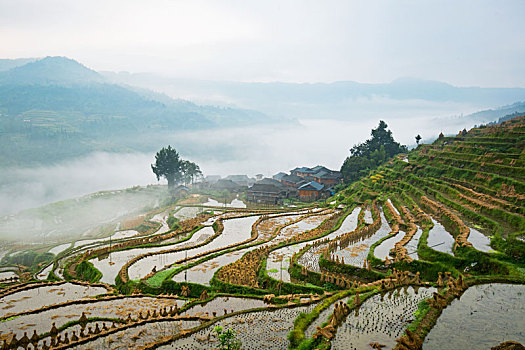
[466, 43]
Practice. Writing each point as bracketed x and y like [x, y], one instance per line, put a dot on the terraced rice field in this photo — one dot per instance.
[432, 237]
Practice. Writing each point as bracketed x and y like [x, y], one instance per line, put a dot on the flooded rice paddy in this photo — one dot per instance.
[310, 259]
[357, 251]
[59, 248]
[117, 308]
[256, 330]
[7, 274]
[484, 316]
[278, 261]
[224, 304]
[411, 246]
[36, 298]
[139, 336]
[235, 231]
[188, 213]
[110, 265]
[322, 318]
[235, 203]
[479, 241]
[203, 273]
[381, 318]
[439, 239]
[368, 217]
[383, 249]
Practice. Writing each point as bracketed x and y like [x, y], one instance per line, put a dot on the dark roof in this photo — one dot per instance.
[279, 176]
[313, 170]
[238, 177]
[324, 174]
[306, 170]
[212, 178]
[268, 181]
[292, 178]
[225, 183]
[268, 188]
[320, 168]
[311, 186]
[321, 173]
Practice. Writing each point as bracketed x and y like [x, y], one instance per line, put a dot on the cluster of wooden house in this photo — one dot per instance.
[305, 184]
[232, 183]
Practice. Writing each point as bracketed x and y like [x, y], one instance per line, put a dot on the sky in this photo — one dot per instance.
[465, 43]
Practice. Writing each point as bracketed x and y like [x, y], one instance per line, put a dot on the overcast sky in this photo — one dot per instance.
[465, 43]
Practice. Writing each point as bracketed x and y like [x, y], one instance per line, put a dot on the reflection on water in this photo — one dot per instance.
[111, 265]
[36, 298]
[411, 246]
[118, 308]
[279, 260]
[484, 316]
[479, 240]
[202, 273]
[235, 203]
[310, 259]
[255, 330]
[59, 248]
[383, 249]
[235, 231]
[380, 319]
[357, 251]
[368, 217]
[439, 239]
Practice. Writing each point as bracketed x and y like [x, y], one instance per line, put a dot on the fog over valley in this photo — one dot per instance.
[249, 150]
[228, 174]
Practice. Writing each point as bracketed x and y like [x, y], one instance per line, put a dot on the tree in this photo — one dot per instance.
[191, 171]
[418, 138]
[370, 154]
[168, 165]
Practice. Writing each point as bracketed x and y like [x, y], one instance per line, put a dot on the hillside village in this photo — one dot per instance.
[302, 183]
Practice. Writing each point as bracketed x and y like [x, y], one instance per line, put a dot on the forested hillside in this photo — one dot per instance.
[55, 108]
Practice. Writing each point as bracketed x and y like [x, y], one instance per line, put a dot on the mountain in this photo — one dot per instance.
[7, 64]
[502, 113]
[50, 70]
[56, 108]
[341, 100]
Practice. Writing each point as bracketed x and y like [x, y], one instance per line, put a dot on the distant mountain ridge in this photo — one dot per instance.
[62, 109]
[319, 100]
[63, 84]
[50, 70]
[6, 64]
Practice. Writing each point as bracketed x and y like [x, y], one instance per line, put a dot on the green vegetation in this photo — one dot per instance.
[414, 190]
[30, 259]
[56, 109]
[170, 166]
[87, 272]
[370, 154]
[156, 280]
[227, 339]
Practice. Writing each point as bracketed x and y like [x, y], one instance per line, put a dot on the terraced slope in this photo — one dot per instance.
[435, 232]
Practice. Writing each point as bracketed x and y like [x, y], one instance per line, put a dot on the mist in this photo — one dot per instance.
[24, 188]
[265, 149]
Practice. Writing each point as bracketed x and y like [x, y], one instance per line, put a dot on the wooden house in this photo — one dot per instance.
[313, 191]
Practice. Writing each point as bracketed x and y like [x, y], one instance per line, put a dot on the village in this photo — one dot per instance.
[302, 184]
